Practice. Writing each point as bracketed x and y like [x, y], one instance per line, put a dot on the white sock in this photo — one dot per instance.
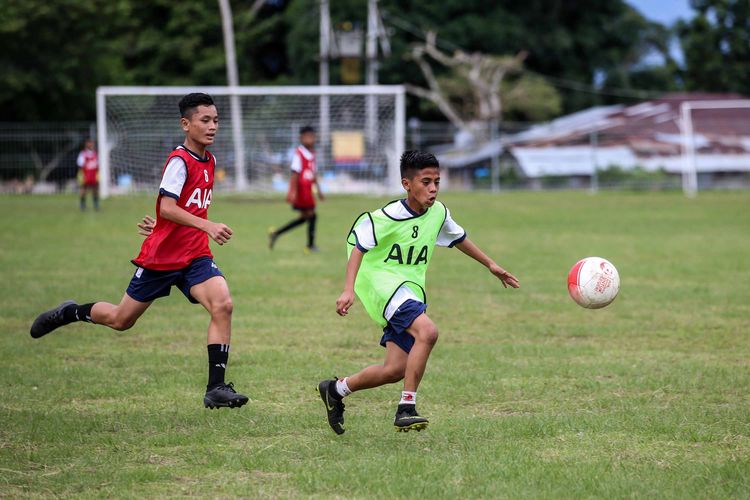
[408, 398]
[342, 387]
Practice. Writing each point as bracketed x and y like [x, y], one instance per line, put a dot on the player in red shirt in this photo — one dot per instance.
[300, 195]
[176, 253]
[88, 173]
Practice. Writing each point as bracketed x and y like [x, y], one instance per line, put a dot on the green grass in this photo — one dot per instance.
[528, 394]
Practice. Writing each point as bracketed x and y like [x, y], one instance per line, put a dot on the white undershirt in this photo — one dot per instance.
[175, 175]
[450, 234]
[297, 161]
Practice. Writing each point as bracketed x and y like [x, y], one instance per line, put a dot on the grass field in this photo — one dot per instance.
[528, 394]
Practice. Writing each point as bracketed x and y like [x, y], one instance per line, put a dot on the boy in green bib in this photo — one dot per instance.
[389, 250]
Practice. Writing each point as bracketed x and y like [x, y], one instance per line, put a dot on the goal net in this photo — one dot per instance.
[715, 136]
[360, 132]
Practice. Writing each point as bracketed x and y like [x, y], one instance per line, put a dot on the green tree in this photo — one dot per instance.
[716, 43]
[56, 53]
[571, 41]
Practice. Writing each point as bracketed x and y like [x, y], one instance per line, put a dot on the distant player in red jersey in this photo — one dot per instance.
[88, 173]
[176, 253]
[300, 195]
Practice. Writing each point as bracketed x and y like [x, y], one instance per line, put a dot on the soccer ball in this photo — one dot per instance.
[593, 282]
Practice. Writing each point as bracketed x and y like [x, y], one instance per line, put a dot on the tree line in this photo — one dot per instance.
[576, 53]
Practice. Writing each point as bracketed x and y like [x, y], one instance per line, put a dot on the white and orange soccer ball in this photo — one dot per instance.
[593, 282]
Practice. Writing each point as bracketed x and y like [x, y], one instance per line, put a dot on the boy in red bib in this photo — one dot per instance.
[176, 253]
[300, 195]
[88, 173]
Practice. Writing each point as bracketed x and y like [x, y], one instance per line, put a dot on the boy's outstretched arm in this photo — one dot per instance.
[469, 248]
[218, 232]
[346, 299]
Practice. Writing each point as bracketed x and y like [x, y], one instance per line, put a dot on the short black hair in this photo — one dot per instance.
[190, 102]
[413, 161]
[306, 129]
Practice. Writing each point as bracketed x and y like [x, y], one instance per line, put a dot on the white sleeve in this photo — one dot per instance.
[365, 235]
[80, 160]
[296, 163]
[451, 233]
[174, 178]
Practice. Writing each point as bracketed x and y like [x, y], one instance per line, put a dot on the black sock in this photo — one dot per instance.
[218, 356]
[311, 230]
[96, 200]
[83, 202]
[291, 225]
[78, 312]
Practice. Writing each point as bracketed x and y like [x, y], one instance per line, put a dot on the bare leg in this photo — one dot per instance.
[425, 335]
[392, 370]
[121, 316]
[213, 294]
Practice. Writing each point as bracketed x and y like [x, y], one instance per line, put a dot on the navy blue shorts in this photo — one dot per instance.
[395, 330]
[148, 285]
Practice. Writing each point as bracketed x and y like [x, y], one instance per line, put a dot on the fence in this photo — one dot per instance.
[40, 157]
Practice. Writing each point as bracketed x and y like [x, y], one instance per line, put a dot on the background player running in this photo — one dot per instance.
[300, 194]
[176, 253]
[389, 252]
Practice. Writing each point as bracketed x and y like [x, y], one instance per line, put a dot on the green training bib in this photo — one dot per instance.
[403, 248]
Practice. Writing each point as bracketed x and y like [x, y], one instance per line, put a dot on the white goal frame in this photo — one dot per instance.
[689, 169]
[398, 91]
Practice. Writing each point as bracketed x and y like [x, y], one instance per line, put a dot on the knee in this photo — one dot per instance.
[429, 334]
[394, 373]
[122, 324]
[223, 307]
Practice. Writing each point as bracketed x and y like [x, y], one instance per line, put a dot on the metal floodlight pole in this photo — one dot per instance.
[399, 142]
[371, 109]
[234, 98]
[325, 53]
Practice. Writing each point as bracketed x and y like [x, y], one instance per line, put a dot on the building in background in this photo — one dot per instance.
[613, 142]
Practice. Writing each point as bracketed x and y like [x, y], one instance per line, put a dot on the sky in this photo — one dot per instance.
[663, 11]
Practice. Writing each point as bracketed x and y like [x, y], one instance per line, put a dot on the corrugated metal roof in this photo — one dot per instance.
[645, 134]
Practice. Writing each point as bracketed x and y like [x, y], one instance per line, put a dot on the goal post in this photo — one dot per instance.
[361, 135]
[688, 132]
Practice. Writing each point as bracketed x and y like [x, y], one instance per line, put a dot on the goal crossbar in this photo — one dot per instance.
[259, 90]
